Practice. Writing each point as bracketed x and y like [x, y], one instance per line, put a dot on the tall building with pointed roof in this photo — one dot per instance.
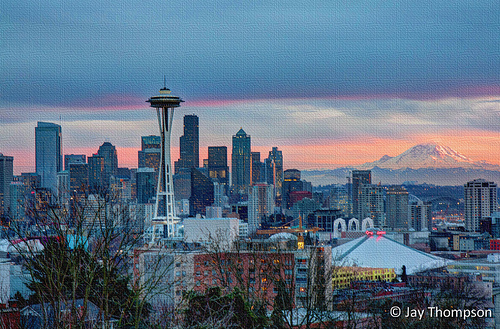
[241, 161]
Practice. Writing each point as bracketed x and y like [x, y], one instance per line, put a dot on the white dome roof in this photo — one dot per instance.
[283, 236]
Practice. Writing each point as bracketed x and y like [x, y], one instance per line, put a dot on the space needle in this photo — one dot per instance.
[164, 211]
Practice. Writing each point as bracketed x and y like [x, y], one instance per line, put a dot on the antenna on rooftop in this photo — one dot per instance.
[164, 84]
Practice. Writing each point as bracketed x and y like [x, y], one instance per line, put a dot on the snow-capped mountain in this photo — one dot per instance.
[429, 155]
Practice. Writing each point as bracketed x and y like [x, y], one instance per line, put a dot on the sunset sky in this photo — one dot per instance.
[331, 83]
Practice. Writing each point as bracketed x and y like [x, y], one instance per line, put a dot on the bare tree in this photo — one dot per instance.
[86, 259]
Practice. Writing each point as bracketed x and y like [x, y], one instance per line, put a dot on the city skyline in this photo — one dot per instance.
[330, 84]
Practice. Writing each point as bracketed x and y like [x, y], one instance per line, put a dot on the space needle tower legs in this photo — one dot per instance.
[164, 211]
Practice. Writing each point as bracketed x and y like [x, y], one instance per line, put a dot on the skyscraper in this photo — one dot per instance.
[480, 201]
[96, 172]
[145, 184]
[274, 172]
[339, 199]
[420, 216]
[149, 155]
[359, 177]
[63, 187]
[371, 204]
[256, 168]
[241, 161]
[18, 197]
[397, 207]
[202, 193]
[6, 176]
[108, 152]
[189, 144]
[78, 178]
[291, 183]
[48, 153]
[217, 164]
[260, 204]
[150, 142]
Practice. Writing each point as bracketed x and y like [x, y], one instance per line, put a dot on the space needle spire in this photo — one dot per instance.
[164, 211]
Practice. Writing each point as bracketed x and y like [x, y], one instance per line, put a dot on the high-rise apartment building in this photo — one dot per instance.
[241, 161]
[260, 203]
[18, 199]
[397, 207]
[480, 202]
[339, 199]
[359, 177]
[6, 176]
[48, 155]
[371, 204]
[189, 144]
[420, 216]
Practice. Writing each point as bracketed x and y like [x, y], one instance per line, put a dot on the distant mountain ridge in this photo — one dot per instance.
[429, 155]
[429, 163]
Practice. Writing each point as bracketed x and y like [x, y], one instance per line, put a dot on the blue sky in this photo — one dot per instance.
[331, 82]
